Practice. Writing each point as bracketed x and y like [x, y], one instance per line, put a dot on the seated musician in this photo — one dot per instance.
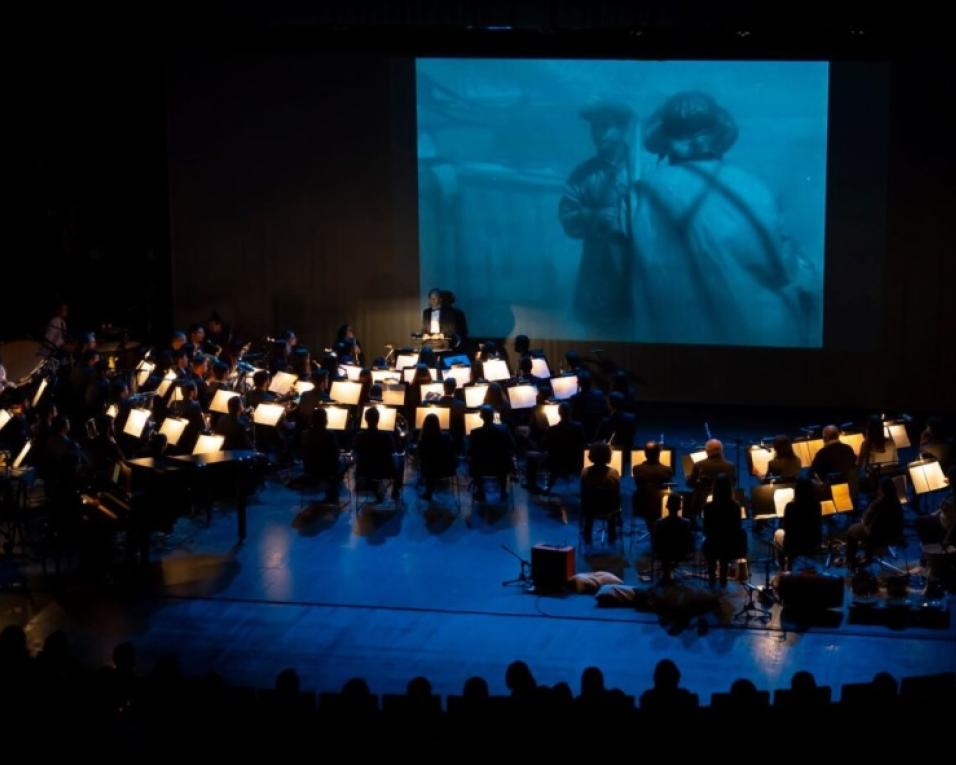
[219, 337]
[347, 346]
[620, 426]
[456, 417]
[436, 455]
[785, 464]
[600, 492]
[490, 453]
[802, 524]
[189, 409]
[260, 393]
[196, 340]
[649, 479]
[672, 537]
[311, 399]
[234, 426]
[321, 458]
[835, 457]
[375, 457]
[562, 453]
[881, 526]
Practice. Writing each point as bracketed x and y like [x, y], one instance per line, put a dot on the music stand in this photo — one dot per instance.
[351, 371]
[617, 460]
[475, 395]
[168, 379]
[386, 417]
[5, 417]
[136, 422]
[896, 430]
[758, 460]
[173, 428]
[40, 391]
[386, 375]
[18, 461]
[639, 457]
[143, 370]
[564, 387]
[431, 390]
[408, 374]
[282, 383]
[523, 396]
[854, 440]
[540, 368]
[208, 444]
[472, 420]
[393, 394]
[338, 417]
[404, 360]
[268, 415]
[220, 402]
[344, 392]
[443, 412]
[494, 370]
[461, 375]
[806, 449]
[690, 459]
[550, 412]
[303, 386]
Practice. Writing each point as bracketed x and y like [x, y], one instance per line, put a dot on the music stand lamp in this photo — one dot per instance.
[564, 387]
[136, 422]
[173, 428]
[208, 444]
[495, 370]
[475, 395]
[540, 368]
[550, 413]
[386, 417]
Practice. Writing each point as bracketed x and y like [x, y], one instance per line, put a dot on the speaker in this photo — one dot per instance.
[811, 592]
[551, 567]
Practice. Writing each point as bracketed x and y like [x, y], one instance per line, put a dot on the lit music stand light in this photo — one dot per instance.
[351, 371]
[18, 462]
[926, 476]
[173, 428]
[136, 422]
[494, 370]
[5, 417]
[444, 416]
[564, 387]
[303, 386]
[393, 394]
[408, 374]
[338, 417]
[617, 460]
[40, 391]
[434, 389]
[346, 392]
[472, 420]
[220, 402]
[475, 395]
[770, 500]
[268, 415]
[689, 460]
[897, 431]
[282, 383]
[386, 417]
[143, 370]
[638, 457]
[208, 444]
[759, 457]
[168, 379]
[523, 396]
[550, 412]
[806, 449]
[841, 501]
[111, 411]
[540, 368]
[853, 440]
[461, 375]
[385, 375]
[404, 360]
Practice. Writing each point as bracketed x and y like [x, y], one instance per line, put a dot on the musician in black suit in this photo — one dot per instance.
[189, 409]
[234, 427]
[375, 458]
[562, 454]
[705, 472]
[490, 452]
[456, 417]
[649, 478]
[442, 317]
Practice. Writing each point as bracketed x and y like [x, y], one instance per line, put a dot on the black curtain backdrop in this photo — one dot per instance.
[293, 205]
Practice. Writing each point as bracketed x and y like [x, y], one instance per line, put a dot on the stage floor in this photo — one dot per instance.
[391, 596]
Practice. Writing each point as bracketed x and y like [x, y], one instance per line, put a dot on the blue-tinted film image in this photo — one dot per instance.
[633, 201]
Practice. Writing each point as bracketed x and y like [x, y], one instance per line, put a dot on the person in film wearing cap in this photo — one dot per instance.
[595, 208]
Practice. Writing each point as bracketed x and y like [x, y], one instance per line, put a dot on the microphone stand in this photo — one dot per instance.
[524, 576]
